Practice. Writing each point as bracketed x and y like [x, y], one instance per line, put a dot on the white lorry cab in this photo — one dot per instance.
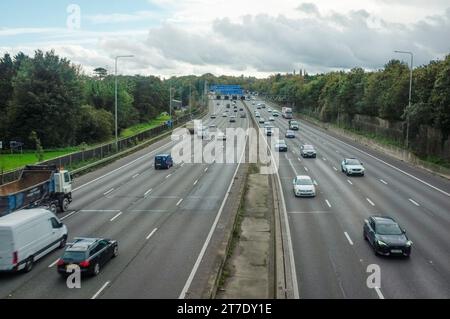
[28, 235]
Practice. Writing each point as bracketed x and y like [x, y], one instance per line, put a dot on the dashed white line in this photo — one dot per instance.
[168, 176]
[54, 263]
[206, 169]
[315, 183]
[101, 289]
[182, 164]
[370, 202]
[350, 182]
[348, 238]
[380, 295]
[111, 190]
[115, 217]
[299, 159]
[151, 234]
[384, 182]
[135, 175]
[324, 158]
[414, 202]
[195, 183]
[306, 168]
[179, 202]
[335, 168]
[148, 192]
[328, 203]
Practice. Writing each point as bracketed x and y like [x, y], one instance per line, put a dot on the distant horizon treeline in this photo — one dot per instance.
[383, 93]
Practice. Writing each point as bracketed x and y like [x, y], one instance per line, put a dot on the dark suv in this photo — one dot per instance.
[89, 254]
[163, 161]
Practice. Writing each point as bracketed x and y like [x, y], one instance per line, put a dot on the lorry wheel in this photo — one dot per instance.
[53, 208]
[65, 205]
[29, 264]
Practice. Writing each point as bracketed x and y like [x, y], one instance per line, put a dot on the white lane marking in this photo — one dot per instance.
[206, 169]
[111, 190]
[179, 202]
[126, 165]
[350, 182]
[306, 168]
[54, 263]
[324, 158]
[168, 176]
[135, 175]
[385, 183]
[335, 168]
[299, 159]
[370, 202]
[68, 215]
[148, 192]
[315, 183]
[182, 164]
[328, 203]
[348, 238]
[101, 289]
[380, 295]
[195, 183]
[99, 210]
[413, 201]
[391, 166]
[312, 212]
[213, 228]
[115, 217]
[151, 234]
[293, 168]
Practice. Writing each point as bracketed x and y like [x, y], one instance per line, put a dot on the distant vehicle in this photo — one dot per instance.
[293, 125]
[386, 236]
[290, 134]
[89, 254]
[271, 118]
[352, 166]
[224, 114]
[235, 110]
[304, 186]
[261, 120]
[38, 186]
[263, 105]
[275, 113]
[258, 106]
[243, 116]
[241, 109]
[213, 116]
[267, 123]
[228, 105]
[268, 130]
[253, 103]
[257, 114]
[218, 103]
[286, 112]
[221, 136]
[232, 118]
[269, 110]
[281, 146]
[190, 127]
[202, 132]
[308, 151]
[28, 235]
[163, 161]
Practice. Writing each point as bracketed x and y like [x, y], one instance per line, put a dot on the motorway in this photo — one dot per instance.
[160, 218]
[331, 257]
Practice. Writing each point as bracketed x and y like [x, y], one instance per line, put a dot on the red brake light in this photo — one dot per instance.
[60, 262]
[15, 258]
[84, 264]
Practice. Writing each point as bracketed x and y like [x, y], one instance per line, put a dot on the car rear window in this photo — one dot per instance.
[74, 256]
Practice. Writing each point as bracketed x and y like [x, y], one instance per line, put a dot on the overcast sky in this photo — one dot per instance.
[234, 37]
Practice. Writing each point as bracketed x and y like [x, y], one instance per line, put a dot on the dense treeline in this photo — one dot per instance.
[335, 96]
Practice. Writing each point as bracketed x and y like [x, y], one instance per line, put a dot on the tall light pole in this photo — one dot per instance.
[115, 95]
[410, 91]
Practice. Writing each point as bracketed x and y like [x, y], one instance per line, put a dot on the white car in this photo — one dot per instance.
[304, 186]
[257, 115]
[213, 116]
[221, 136]
[271, 119]
[352, 166]
[224, 114]
[28, 235]
[269, 110]
[261, 120]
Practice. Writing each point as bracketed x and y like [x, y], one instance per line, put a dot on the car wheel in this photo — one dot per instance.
[29, 264]
[63, 241]
[342, 169]
[375, 250]
[96, 269]
[115, 251]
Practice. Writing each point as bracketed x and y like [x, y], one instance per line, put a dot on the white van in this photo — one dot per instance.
[28, 235]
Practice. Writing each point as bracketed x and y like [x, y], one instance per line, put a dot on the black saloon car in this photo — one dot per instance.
[386, 236]
[89, 254]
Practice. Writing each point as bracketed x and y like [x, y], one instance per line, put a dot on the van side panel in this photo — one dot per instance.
[6, 249]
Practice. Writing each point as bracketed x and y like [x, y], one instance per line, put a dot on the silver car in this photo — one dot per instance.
[308, 151]
[352, 166]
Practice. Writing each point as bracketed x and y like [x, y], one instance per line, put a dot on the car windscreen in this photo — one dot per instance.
[308, 147]
[281, 142]
[304, 182]
[353, 162]
[74, 256]
[388, 229]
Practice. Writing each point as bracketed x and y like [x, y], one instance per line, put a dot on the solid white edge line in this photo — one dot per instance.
[100, 290]
[390, 165]
[211, 231]
[348, 238]
[115, 217]
[414, 202]
[119, 168]
[380, 295]
[151, 234]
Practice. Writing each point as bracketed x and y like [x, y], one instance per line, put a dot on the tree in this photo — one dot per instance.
[440, 98]
[38, 146]
[101, 73]
[94, 125]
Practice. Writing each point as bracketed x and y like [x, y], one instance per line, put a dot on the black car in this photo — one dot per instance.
[386, 236]
[163, 161]
[89, 254]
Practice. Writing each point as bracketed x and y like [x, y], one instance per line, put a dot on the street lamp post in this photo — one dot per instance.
[410, 92]
[115, 96]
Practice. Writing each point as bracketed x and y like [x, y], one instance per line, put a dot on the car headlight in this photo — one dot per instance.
[409, 243]
[381, 243]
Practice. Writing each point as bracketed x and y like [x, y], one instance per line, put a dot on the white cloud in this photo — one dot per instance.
[122, 18]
